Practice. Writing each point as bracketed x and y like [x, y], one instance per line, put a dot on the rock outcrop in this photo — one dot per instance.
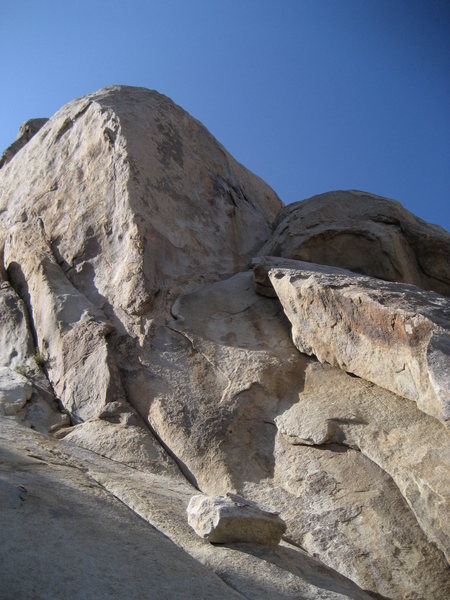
[394, 335]
[367, 234]
[155, 365]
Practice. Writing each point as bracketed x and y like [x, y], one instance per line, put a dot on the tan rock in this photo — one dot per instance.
[121, 435]
[122, 226]
[16, 342]
[65, 536]
[114, 504]
[232, 519]
[211, 381]
[212, 387]
[340, 506]
[413, 448]
[70, 330]
[35, 405]
[394, 335]
[15, 390]
[364, 233]
[137, 197]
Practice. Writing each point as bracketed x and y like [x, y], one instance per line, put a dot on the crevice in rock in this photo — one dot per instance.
[196, 350]
[17, 280]
[70, 121]
[185, 471]
[69, 462]
[338, 443]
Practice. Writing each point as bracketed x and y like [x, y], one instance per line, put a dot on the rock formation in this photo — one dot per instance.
[367, 234]
[155, 363]
[391, 334]
[232, 519]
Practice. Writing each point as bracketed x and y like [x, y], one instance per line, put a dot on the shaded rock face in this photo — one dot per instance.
[126, 236]
[367, 234]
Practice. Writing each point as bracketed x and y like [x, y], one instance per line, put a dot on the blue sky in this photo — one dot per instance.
[312, 95]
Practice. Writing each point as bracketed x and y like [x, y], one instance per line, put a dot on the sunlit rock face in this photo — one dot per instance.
[137, 339]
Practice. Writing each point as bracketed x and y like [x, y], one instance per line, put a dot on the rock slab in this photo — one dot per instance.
[230, 519]
[394, 335]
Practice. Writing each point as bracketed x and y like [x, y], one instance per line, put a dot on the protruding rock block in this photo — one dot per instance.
[230, 518]
[26, 132]
[394, 335]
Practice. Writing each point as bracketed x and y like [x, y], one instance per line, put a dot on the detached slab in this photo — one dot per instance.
[394, 335]
[230, 518]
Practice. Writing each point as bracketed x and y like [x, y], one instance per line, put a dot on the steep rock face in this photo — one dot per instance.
[410, 446]
[126, 230]
[211, 380]
[24, 389]
[395, 335]
[215, 392]
[136, 194]
[364, 233]
[137, 200]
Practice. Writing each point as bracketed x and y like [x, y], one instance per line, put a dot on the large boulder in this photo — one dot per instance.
[119, 201]
[364, 233]
[131, 196]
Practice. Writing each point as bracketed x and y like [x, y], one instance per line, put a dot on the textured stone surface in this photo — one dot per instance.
[413, 448]
[214, 392]
[120, 434]
[340, 506]
[107, 530]
[15, 390]
[364, 233]
[64, 536]
[135, 192]
[70, 332]
[211, 381]
[125, 235]
[395, 335]
[37, 408]
[16, 342]
[231, 519]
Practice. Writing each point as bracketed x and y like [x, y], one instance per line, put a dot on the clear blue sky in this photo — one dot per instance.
[311, 95]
